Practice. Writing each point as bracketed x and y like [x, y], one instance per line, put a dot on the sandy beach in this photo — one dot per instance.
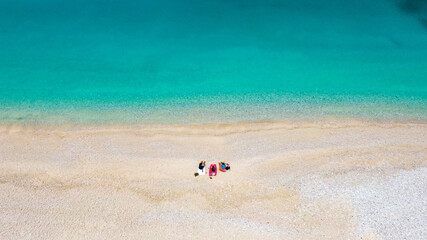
[107, 108]
[307, 180]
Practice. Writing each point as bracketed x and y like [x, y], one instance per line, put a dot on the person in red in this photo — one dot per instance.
[212, 170]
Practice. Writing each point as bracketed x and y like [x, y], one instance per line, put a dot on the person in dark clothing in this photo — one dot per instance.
[202, 165]
[201, 170]
[227, 167]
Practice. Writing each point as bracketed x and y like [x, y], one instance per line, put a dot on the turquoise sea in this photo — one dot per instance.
[180, 61]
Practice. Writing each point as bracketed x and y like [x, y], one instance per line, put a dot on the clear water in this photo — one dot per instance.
[130, 61]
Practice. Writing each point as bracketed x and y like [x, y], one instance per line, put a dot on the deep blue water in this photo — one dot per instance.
[182, 61]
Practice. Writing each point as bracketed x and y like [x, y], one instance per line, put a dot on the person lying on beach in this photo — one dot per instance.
[202, 165]
[201, 170]
[223, 167]
[212, 171]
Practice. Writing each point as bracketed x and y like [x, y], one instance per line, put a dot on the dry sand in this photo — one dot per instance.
[311, 180]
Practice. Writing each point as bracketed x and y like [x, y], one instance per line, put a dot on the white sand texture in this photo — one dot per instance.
[311, 180]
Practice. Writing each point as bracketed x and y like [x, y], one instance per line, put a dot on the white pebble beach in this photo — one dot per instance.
[312, 180]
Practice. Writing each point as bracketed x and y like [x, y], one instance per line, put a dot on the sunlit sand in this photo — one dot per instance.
[313, 180]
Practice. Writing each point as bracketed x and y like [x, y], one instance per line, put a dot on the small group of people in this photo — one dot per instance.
[223, 167]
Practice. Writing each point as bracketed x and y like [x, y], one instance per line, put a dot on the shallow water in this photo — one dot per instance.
[211, 61]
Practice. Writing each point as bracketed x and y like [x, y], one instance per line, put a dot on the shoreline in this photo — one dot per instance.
[219, 128]
[206, 112]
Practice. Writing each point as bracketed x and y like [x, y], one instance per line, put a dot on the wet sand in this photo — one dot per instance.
[308, 180]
